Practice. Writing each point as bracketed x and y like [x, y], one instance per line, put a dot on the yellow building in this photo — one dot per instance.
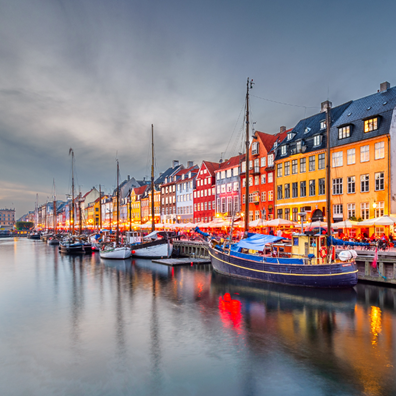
[300, 168]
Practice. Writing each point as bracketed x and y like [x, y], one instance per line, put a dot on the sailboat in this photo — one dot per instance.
[71, 245]
[116, 251]
[156, 244]
[309, 260]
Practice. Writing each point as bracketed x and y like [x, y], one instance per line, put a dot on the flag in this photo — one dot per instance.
[374, 264]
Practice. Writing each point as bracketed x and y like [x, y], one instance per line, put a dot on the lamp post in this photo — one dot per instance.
[302, 217]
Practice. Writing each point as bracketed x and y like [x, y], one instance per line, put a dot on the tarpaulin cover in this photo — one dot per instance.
[201, 232]
[340, 242]
[256, 242]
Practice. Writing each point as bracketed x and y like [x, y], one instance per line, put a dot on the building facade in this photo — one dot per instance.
[7, 218]
[205, 192]
[185, 186]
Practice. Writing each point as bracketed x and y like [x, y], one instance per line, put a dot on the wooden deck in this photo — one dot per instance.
[181, 261]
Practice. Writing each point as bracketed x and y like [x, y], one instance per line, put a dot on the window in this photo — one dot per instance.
[270, 177]
[280, 213]
[312, 188]
[263, 179]
[364, 153]
[337, 210]
[229, 187]
[350, 156]
[287, 191]
[279, 170]
[263, 196]
[290, 136]
[351, 210]
[323, 124]
[344, 132]
[256, 214]
[250, 215]
[303, 189]
[263, 161]
[371, 124]
[236, 171]
[287, 214]
[298, 146]
[321, 161]
[294, 167]
[317, 140]
[256, 180]
[337, 159]
[295, 212]
[236, 187]
[311, 163]
[223, 173]
[303, 165]
[364, 210]
[379, 210]
[379, 181]
[280, 192]
[255, 148]
[351, 185]
[223, 188]
[270, 195]
[295, 190]
[364, 183]
[287, 168]
[250, 180]
[337, 186]
[379, 150]
[322, 187]
[283, 150]
[271, 160]
[223, 205]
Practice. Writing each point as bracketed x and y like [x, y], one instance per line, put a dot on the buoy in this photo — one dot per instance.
[133, 252]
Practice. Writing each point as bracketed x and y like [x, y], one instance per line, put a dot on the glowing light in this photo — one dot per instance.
[375, 324]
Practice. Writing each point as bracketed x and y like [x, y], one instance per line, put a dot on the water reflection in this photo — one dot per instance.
[134, 324]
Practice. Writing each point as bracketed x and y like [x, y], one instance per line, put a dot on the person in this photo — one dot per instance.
[279, 233]
[391, 238]
[372, 238]
[271, 232]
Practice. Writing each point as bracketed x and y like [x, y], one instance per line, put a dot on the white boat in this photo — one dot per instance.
[120, 253]
[152, 250]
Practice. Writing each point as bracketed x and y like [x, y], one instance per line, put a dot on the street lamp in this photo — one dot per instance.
[302, 217]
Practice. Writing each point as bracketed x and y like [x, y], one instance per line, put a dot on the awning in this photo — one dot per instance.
[256, 242]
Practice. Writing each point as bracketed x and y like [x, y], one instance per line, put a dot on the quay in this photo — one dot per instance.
[181, 261]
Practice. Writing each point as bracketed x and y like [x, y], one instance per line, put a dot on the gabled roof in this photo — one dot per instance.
[379, 104]
[211, 166]
[140, 190]
[168, 173]
[230, 163]
[267, 139]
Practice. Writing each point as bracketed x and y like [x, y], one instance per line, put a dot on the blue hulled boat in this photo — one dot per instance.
[303, 261]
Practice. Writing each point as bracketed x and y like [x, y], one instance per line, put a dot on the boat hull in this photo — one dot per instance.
[341, 275]
[73, 248]
[120, 253]
[154, 251]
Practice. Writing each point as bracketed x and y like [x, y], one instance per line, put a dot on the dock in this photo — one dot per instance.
[182, 261]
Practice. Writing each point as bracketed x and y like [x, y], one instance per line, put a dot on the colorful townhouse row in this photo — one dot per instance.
[286, 175]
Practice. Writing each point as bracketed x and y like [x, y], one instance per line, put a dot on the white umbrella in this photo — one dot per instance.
[314, 224]
[257, 223]
[345, 224]
[279, 222]
[380, 221]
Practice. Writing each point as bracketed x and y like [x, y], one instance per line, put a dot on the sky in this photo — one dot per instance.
[94, 75]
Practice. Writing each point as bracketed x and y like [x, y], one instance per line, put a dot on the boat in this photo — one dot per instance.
[34, 235]
[71, 246]
[151, 246]
[305, 260]
[115, 250]
[155, 245]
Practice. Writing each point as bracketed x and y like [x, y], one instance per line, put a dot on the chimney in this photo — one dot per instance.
[129, 177]
[190, 164]
[325, 105]
[175, 164]
[384, 86]
[282, 129]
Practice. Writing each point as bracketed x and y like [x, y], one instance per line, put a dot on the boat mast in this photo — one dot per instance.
[152, 179]
[118, 201]
[54, 211]
[72, 211]
[249, 84]
[100, 207]
[79, 213]
[45, 218]
[130, 211]
[328, 121]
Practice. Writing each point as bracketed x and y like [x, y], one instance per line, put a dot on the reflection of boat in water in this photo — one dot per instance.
[287, 296]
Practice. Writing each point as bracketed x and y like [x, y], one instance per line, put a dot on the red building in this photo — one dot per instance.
[205, 193]
[261, 175]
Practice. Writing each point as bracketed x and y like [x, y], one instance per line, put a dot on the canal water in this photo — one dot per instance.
[86, 326]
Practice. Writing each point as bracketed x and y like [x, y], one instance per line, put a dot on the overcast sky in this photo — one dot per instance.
[95, 74]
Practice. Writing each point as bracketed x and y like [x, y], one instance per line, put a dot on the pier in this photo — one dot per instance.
[192, 249]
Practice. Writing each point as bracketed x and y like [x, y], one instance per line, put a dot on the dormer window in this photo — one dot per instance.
[344, 132]
[255, 148]
[189, 175]
[323, 124]
[166, 180]
[283, 150]
[290, 136]
[183, 177]
[298, 146]
[371, 124]
[307, 129]
[271, 160]
[317, 140]
[275, 144]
